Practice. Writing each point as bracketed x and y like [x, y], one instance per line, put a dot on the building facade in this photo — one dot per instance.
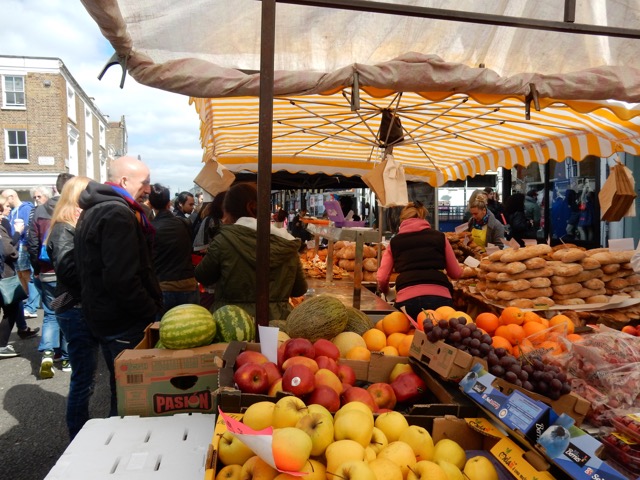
[49, 125]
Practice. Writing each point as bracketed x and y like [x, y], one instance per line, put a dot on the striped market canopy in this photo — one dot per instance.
[444, 137]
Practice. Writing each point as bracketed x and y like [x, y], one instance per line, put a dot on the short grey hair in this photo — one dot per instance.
[42, 190]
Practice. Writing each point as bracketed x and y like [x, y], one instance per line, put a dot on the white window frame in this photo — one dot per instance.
[103, 135]
[71, 104]
[8, 146]
[89, 157]
[6, 91]
[88, 121]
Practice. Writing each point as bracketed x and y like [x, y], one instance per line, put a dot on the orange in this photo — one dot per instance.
[512, 315]
[523, 348]
[379, 325]
[575, 337]
[389, 350]
[534, 331]
[395, 322]
[554, 348]
[488, 322]
[559, 320]
[513, 333]
[405, 345]
[375, 340]
[500, 342]
[544, 322]
[430, 314]
[445, 312]
[631, 330]
[359, 353]
[531, 317]
[394, 340]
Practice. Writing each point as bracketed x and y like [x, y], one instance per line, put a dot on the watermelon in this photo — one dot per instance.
[234, 323]
[187, 326]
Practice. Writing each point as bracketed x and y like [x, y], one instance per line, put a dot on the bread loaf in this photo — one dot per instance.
[569, 255]
[535, 263]
[511, 268]
[562, 269]
[495, 256]
[528, 293]
[510, 286]
[504, 277]
[622, 256]
[580, 277]
[567, 289]
[525, 253]
[540, 282]
[582, 293]
[370, 264]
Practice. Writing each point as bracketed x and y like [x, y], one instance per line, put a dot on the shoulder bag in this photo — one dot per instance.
[11, 290]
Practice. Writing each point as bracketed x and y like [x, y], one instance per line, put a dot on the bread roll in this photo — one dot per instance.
[511, 268]
[528, 293]
[524, 253]
[348, 265]
[495, 256]
[589, 263]
[370, 264]
[582, 293]
[544, 301]
[567, 289]
[617, 284]
[540, 282]
[521, 303]
[569, 255]
[597, 299]
[562, 269]
[349, 251]
[369, 252]
[579, 278]
[593, 284]
[510, 286]
[622, 256]
[535, 263]
[611, 268]
[368, 276]
[571, 301]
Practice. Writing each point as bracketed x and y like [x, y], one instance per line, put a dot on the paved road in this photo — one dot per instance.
[33, 432]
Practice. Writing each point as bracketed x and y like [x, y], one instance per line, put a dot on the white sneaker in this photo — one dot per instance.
[28, 314]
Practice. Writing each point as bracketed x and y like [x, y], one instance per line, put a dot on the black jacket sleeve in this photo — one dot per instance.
[60, 249]
[33, 241]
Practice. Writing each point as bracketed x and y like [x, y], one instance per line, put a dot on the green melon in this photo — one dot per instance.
[322, 316]
[234, 323]
[186, 326]
[281, 324]
[358, 321]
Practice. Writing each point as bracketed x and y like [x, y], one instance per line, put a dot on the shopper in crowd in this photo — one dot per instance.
[82, 345]
[484, 227]
[493, 204]
[588, 221]
[532, 211]
[230, 262]
[280, 218]
[518, 226]
[572, 209]
[183, 205]
[112, 250]
[53, 342]
[419, 255]
[299, 229]
[172, 252]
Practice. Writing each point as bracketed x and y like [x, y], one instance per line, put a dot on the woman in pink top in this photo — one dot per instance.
[420, 256]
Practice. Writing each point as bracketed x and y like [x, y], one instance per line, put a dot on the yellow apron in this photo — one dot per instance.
[479, 236]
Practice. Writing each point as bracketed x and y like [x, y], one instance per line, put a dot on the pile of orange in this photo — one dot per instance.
[393, 335]
[520, 332]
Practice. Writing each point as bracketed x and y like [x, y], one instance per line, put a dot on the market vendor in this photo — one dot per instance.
[485, 228]
[419, 255]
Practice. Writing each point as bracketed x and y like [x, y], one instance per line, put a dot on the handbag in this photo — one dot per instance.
[11, 290]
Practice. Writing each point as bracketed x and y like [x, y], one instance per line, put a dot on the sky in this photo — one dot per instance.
[163, 128]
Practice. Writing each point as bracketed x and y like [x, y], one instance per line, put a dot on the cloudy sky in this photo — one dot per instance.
[163, 128]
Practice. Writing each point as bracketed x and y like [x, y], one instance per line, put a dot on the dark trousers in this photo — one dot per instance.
[415, 305]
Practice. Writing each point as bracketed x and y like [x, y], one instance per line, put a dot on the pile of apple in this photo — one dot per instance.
[351, 445]
[313, 371]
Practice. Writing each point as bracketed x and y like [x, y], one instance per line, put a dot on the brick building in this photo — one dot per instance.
[50, 125]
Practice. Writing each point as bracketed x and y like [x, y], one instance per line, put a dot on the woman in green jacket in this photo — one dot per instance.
[230, 262]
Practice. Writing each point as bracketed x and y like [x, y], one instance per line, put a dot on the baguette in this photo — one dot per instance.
[504, 277]
[528, 293]
[525, 253]
[511, 268]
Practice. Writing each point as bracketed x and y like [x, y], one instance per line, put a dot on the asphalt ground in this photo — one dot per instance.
[33, 431]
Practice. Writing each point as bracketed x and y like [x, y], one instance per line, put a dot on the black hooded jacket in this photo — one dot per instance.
[38, 229]
[119, 290]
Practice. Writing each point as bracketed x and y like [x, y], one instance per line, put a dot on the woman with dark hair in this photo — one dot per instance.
[230, 262]
[184, 204]
[519, 226]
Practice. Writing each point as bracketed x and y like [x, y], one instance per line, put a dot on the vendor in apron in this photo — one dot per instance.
[485, 228]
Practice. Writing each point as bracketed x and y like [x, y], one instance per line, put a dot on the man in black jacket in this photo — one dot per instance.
[112, 248]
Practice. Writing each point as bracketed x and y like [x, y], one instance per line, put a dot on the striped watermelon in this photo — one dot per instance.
[234, 323]
[187, 326]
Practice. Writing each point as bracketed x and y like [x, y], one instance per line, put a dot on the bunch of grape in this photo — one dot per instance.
[529, 373]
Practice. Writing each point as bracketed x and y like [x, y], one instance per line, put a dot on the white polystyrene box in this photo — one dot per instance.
[138, 448]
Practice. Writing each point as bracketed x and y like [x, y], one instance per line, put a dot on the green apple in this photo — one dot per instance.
[419, 439]
[392, 424]
[385, 469]
[319, 429]
[378, 440]
[291, 448]
[288, 411]
[353, 470]
[342, 451]
[480, 468]
[426, 470]
[259, 415]
[230, 472]
[401, 454]
[449, 451]
[354, 425]
[231, 451]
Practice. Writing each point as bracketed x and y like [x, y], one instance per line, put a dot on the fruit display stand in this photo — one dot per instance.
[370, 303]
[137, 448]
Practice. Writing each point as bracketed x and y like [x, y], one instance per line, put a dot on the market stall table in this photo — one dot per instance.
[343, 291]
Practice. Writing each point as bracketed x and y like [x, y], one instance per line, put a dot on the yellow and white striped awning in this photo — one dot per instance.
[446, 136]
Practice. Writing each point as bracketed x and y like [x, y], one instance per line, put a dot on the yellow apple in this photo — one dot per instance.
[392, 424]
[319, 429]
[231, 451]
[398, 370]
[230, 472]
[419, 439]
[401, 454]
[426, 470]
[288, 411]
[480, 468]
[378, 440]
[316, 471]
[354, 470]
[354, 425]
[453, 472]
[385, 469]
[259, 415]
[363, 407]
[340, 452]
[369, 454]
[247, 468]
[449, 451]
[316, 408]
[291, 448]
[263, 471]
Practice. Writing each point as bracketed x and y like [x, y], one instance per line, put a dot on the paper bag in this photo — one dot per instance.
[374, 179]
[617, 194]
[214, 178]
[395, 185]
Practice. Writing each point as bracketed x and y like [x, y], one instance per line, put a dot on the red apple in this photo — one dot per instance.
[298, 380]
[275, 388]
[325, 396]
[252, 378]
[327, 362]
[383, 395]
[325, 348]
[383, 410]
[408, 386]
[281, 352]
[346, 374]
[273, 372]
[345, 386]
[299, 347]
[250, 357]
[357, 394]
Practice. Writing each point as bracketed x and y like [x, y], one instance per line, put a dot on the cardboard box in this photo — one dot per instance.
[152, 382]
[446, 360]
[136, 448]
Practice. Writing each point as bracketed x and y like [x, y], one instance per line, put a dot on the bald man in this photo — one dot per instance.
[120, 294]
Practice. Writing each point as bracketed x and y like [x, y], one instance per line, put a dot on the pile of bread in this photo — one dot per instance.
[538, 275]
[344, 260]
[315, 265]
[463, 245]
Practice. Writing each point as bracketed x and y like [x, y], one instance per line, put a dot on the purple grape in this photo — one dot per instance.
[486, 338]
[465, 332]
[527, 385]
[455, 337]
[500, 352]
[462, 320]
[474, 351]
[474, 343]
[497, 371]
[492, 359]
[510, 377]
[428, 326]
[443, 324]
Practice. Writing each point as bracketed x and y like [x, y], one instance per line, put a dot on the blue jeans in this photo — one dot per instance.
[83, 354]
[112, 346]
[426, 302]
[52, 338]
[173, 299]
[33, 302]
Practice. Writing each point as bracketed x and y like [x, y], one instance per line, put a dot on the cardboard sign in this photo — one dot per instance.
[464, 227]
[620, 244]
[472, 262]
